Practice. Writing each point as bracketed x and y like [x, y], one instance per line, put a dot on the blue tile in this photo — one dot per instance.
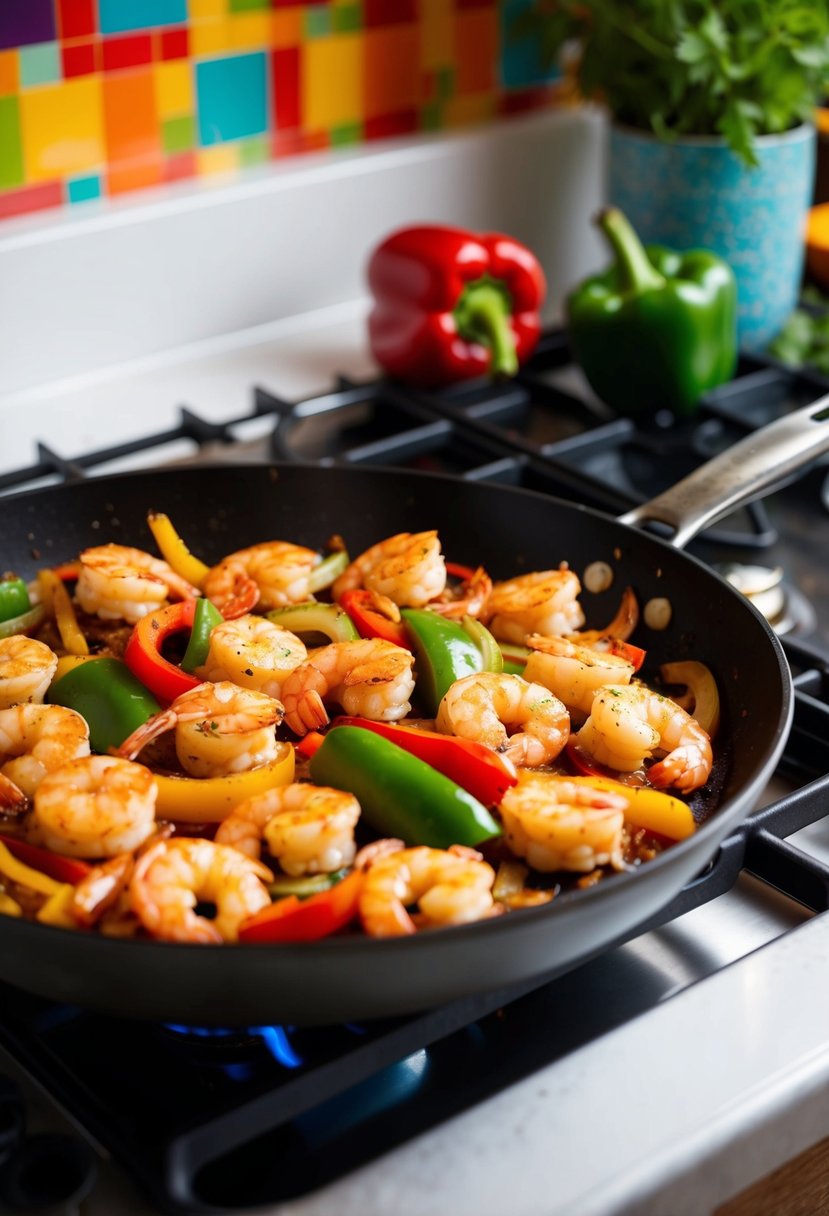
[232, 98]
[82, 189]
[522, 63]
[118, 15]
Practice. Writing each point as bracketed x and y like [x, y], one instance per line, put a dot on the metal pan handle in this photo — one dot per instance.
[742, 472]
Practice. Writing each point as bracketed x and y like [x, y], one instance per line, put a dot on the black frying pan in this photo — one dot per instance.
[219, 509]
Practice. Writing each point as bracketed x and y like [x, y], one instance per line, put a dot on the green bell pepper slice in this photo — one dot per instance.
[312, 618]
[656, 330]
[206, 617]
[108, 696]
[14, 598]
[444, 653]
[400, 795]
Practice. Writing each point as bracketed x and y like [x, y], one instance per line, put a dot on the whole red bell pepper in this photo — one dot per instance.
[451, 305]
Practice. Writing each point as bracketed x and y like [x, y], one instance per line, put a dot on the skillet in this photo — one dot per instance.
[510, 531]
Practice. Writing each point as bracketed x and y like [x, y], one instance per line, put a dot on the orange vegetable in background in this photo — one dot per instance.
[817, 244]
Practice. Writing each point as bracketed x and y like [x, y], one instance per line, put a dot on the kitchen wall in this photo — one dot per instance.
[103, 98]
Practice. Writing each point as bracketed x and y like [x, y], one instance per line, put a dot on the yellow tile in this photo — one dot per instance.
[173, 89]
[332, 81]
[199, 9]
[224, 158]
[475, 107]
[250, 31]
[9, 75]
[437, 43]
[210, 37]
[286, 28]
[62, 129]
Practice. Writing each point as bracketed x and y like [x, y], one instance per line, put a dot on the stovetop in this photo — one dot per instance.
[260, 1115]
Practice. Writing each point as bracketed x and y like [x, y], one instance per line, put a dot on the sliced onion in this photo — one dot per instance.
[703, 688]
[493, 659]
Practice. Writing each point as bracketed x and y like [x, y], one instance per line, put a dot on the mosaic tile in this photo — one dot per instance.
[9, 73]
[178, 134]
[84, 189]
[23, 22]
[232, 98]
[76, 18]
[173, 89]
[11, 144]
[332, 81]
[62, 129]
[119, 15]
[39, 64]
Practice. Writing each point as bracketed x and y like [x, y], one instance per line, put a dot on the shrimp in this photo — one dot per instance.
[175, 875]
[252, 652]
[556, 824]
[408, 568]
[574, 673]
[37, 739]
[220, 729]
[26, 670]
[309, 829]
[272, 574]
[97, 806]
[469, 599]
[507, 713]
[370, 677]
[450, 887]
[628, 723]
[542, 602]
[120, 583]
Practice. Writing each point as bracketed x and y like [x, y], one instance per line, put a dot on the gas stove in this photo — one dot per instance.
[281, 1117]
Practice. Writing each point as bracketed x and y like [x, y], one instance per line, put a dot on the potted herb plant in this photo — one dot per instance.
[712, 142]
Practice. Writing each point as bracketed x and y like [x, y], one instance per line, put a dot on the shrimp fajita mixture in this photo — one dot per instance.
[294, 744]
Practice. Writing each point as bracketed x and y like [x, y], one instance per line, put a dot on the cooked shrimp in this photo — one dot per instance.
[309, 829]
[507, 713]
[542, 602]
[408, 568]
[252, 652]
[469, 599]
[37, 739]
[120, 583]
[371, 677]
[97, 806]
[272, 574]
[630, 723]
[220, 729]
[26, 670]
[175, 875]
[558, 825]
[574, 673]
[449, 887]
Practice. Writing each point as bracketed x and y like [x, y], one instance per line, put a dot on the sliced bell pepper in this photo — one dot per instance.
[174, 551]
[14, 598]
[399, 794]
[444, 653]
[142, 653]
[9, 906]
[369, 622]
[491, 657]
[26, 622]
[26, 876]
[306, 920]
[108, 696]
[58, 909]
[54, 593]
[206, 617]
[330, 568]
[304, 619]
[482, 772]
[450, 305]
[303, 885]
[212, 799]
[648, 808]
[64, 869]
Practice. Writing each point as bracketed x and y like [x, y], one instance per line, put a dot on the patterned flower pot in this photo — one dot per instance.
[694, 192]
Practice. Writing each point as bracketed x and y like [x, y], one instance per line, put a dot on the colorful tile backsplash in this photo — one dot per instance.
[102, 97]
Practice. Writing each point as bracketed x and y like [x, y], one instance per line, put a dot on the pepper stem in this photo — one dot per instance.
[482, 314]
[635, 269]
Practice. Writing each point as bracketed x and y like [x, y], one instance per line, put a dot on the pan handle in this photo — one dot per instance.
[746, 469]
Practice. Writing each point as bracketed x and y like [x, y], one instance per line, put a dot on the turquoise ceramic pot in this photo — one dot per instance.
[695, 193]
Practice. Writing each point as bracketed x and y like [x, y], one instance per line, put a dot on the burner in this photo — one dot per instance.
[785, 608]
[235, 1050]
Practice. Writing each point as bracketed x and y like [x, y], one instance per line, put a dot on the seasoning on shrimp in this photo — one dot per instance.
[26, 670]
[407, 568]
[117, 582]
[272, 574]
[37, 739]
[541, 602]
[558, 825]
[522, 720]
[573, 672]
[371, 678]
[96, 806]
[252, 652]
[450, 887]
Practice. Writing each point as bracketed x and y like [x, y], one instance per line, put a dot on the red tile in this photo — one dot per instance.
[30, 198]
[388, 12]
[291, 143]
[180, 166]
[78, 59]
[76, 18]
[285, 75]
[174, 43]
[384, 126]
[130, 51]
[521, 100]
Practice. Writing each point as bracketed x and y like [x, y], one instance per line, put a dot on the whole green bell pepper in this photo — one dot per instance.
[108, 696]
[658, 328]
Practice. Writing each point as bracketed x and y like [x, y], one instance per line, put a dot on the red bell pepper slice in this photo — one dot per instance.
[480, 771]
[588, 767]
[310, 744]
[142, 653]
[626, 650]
[62, 869]
[370, 623]
[451, 305]
[306, 920]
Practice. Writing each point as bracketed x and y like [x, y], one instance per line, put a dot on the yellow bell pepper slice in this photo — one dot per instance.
[17, 871]
[58, 908]
[55, 597]
[703, 688]
[174, 551]
[9, 906]
[212, 799]
[67, 661]
[648, 808]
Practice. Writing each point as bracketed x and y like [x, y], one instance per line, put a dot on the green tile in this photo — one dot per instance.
[446, 83]
[347, 18]
[178, 134]
[248, 6]
[431, 116]
[317, 22]
[349, 133]
[39, 64]
[11, 147]
[254, 151]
